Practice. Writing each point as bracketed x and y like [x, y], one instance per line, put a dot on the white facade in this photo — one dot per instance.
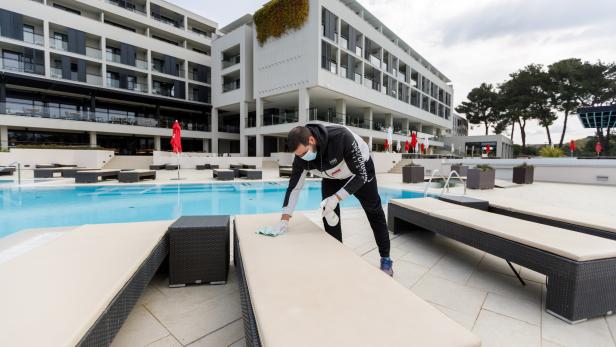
[292, 85]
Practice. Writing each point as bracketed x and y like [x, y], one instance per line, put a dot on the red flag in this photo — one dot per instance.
[488, 149]
[598, 147]
[406, 146]
[572, 146]
[423, 148]
[176, 138]
[413, 140]
[386, 145]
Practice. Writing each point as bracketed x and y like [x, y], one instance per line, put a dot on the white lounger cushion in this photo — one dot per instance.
[563, 214]
[567, 243]
[307, 289]
[52, 294]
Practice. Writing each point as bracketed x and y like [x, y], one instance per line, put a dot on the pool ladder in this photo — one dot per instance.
[18, 170]
[447, 180]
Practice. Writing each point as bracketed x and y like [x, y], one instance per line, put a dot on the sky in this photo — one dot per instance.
[475, 41]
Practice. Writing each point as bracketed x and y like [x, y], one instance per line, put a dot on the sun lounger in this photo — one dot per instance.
[50, 172]
[7, 171]
[247, 166]
[45, 166]
[71, 172]
[305, 301]
[94, 175]
[136, 176]
[207, 167]
[285, 171]
[172, 167]
[567, 218]
[224, 175]
[77, 288]
[581, 268]
[158, 167]
[236, 169]
[251, 174]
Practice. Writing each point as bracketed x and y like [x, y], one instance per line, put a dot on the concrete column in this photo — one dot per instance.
[157, 143]
[259, 112]
[303, 105]
[104, 63]
[214, 130]
[368, 116]
[4, 137]
[259, 142]
[149, 59]
[93, 142]
[46, 42]
[243, 137]
[341, 109]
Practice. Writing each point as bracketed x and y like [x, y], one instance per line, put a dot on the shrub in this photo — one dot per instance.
[279, 16]
[551, 152]
[484, 167]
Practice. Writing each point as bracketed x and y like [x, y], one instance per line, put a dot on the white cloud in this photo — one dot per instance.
[474, 41]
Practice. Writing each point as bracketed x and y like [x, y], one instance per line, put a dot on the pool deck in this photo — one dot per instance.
[473, 288]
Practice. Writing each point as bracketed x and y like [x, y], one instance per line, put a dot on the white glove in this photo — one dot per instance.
[281, 227]
[329, 205]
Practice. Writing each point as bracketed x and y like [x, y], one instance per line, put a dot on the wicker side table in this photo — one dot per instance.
[199, 250]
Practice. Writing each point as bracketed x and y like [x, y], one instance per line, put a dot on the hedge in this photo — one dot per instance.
[279, 16]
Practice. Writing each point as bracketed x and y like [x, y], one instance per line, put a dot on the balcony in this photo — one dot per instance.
[375, 61]
[227, 128]
[167, 21]
[135, 87]
[159, 68]
[228, 62]
[129, 6]
[93, 79]
[62, 45]
[282, 118]
[329, 116]
[19, 65]
[115, 58]
[194, 76]
[231, 86]
[30, 37]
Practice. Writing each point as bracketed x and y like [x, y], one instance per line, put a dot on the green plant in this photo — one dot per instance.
[524, 165]
[551, 152]
[279, 16]
[484, 167]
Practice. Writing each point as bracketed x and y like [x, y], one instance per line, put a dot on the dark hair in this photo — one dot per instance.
[298, 136]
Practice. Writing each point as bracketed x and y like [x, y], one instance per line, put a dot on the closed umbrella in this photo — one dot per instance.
[488, 150]
[370, 143]
[572, 147]
[386, 146]
[407, 146]
[414, 141]
[390, 135]
[423, 148]
[453, 148]
[598, 148]
[176, 142]
[426, 144]
[398, 146]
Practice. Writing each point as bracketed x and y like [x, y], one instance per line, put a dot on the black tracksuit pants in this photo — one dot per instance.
[368, 196]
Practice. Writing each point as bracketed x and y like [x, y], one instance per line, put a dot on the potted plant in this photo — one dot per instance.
[523, 174]
[480, 177]
[460, 168]
[413, 173]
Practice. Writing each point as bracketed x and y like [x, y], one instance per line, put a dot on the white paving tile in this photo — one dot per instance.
[591, 333]
[528, 311]
[496, 330]
[456, 267]
[449, 294]
[140, 329]
[407, 273]
[240, 343]
[504, 285]
[464, 319]
[222, 337]
[611, 322]
[167, 341]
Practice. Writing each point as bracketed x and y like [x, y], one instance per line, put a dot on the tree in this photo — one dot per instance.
[481, 106]
[542, 96]
[566, 77]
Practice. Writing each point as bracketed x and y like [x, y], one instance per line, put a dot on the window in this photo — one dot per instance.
[131, 82]
[67, 9]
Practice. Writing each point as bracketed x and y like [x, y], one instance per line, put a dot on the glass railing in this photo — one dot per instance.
[344, 42]
[359, 51]
[323, 33]
[197, 98]
[159, 69]
[142, 64]
[375, 61]
[250, 122]
[62, 45]
[18, 65]
[139, 9]
[230, 61]
[283, 118]
[74, 113]
[225, 128]
[90, 78]
[358, 123]
[332, 66]
[29, 37]
[135, 87]
[164, 92]
[94, 79]
[231, 86]
[139, 63]
[314, 114]
[358, 78]
[167, 21]
[193, 76]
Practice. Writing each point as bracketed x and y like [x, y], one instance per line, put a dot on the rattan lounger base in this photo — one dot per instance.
[110, 322]
[576, 290]
[251, 332]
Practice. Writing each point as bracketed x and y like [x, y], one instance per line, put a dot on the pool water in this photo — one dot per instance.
[40, 207]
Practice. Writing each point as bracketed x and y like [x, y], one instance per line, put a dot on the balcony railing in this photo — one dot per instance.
[29, 37]
[18, 65]
[110, 117]
[358, 123]
[283, 118]
[62, 45]
[231, 86]
[135, 87]
[158, 68]
[166, 21]
[323, 33]
[90, 78]
[193, 76]
[314, 114]
[375, 61]
[164, 92]
[197, 98]
[228, 62]
[139, 9]
[250, 122]
[226, 128]
[139, 63]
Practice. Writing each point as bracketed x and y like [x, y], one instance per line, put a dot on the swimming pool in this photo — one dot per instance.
[40, 207]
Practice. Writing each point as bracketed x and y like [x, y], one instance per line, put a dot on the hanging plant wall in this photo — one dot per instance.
[277, 17]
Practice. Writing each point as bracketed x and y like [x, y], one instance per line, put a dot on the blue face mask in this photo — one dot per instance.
[309, 156]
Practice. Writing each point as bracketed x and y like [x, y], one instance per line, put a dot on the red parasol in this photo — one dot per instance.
[407, 146]
[488, 149]
[386, 145]
[176, 138]
[413, 140]
[423, 148]
[598, 148]
[572, 146]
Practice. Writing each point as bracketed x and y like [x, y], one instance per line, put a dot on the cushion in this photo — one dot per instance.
[55, 291]
[307, 289]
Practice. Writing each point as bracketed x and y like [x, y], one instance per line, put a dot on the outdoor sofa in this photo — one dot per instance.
[580, 268]
[77, 287]
[224, 175]
[51, 172]
[601, 225]
[136, 176]
[93, 176]
[158, 166]
[71, 172]
[207, 167]
[251, 174]
[7, 171]
[305, 301]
